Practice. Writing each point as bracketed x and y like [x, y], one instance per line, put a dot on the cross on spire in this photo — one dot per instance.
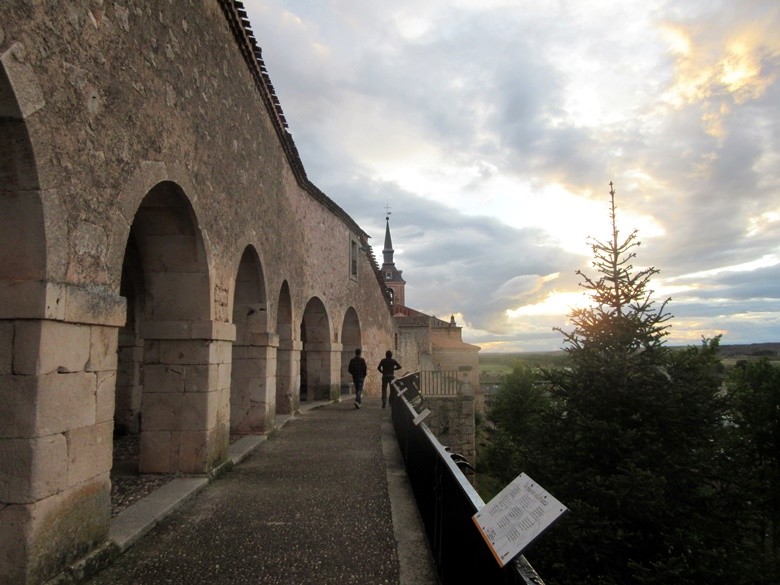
[387, 212]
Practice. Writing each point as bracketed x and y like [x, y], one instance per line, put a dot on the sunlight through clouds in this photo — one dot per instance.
[721, 71]
[493, 129]
[763, 223]
[560, 303]
[766, 261]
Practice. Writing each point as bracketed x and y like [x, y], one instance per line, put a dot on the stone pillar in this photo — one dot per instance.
[323, 368]
[452, 422]
[346, 377]
[186, 399]
[58, 374]
[129, 383]
[253, 388]
[288, 383]
[336, 354]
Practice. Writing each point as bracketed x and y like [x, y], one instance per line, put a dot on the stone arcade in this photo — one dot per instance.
[166, 268]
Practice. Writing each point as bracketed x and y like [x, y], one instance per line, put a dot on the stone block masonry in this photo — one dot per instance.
[166, 268]
[452, 421]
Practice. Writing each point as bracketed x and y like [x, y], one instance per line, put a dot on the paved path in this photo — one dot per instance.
[323, 501]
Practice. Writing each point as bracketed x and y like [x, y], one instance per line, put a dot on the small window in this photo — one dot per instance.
[353, 259]
[388, 275]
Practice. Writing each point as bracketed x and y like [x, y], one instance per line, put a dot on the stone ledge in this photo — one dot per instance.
[324, 347]
[243, 447]
[84, 568]
[137, 520]
[212, 330]
[290, 345]
[59, 301]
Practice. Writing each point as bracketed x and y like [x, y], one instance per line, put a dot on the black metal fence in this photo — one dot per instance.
[446, 500]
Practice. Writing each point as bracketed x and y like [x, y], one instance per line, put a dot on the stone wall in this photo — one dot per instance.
[452, 421]
[165, 264]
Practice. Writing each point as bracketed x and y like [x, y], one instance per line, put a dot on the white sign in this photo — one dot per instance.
[517, 515]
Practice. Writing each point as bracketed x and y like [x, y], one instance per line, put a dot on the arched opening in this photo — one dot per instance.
[129, 383]
[164, 399]
[22, 238]
[26, 450]
[287, 356]
[350, 341]
[316, 356]
[129, 376]
[252, 392]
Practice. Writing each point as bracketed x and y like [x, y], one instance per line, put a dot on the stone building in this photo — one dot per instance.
[166, 267]
[448, 366]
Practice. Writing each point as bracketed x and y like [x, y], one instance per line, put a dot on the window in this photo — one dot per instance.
[353, 259]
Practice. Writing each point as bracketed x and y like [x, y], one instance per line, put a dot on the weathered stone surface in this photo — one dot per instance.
[180, 411]
[44, 347]
[6, 347]
[139, 162]
[452, 421]
[102, 350]
[34, 406]
[32, 469]
[105, 396]
[38, 539]
[89, 452]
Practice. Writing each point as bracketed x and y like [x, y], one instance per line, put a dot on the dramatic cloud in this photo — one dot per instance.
[492, 129]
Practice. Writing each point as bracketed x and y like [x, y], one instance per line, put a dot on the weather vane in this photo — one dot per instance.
[388, 212]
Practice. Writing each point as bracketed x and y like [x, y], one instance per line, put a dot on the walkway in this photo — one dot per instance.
[324, 500]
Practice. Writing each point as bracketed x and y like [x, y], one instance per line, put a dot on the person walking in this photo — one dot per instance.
[387, 366]
[358, 368]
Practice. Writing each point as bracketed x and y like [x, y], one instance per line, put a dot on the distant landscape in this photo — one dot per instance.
[493, 366]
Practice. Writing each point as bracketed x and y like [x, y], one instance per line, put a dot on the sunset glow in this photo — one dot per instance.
[493, 130]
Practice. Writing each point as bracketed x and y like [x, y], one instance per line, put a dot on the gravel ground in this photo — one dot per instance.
[127, 485]
[311, 507]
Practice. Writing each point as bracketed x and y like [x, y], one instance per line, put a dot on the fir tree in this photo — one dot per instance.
[631, 443]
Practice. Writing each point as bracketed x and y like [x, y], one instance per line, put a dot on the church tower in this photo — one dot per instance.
[392, 276]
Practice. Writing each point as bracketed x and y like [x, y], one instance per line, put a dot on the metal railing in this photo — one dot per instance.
[439, 383]
[447, 501]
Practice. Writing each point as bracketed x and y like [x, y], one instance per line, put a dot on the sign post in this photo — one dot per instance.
[517, 515]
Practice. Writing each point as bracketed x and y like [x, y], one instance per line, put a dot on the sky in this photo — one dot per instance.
[492, 129]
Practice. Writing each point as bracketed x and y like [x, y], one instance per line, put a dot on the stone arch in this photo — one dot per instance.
[351, 339]
[253, 369]
[287, 355]
[26, 446]
[148, 177]
[173, 254]
[319, 379]
[22, 236]
[168, 346]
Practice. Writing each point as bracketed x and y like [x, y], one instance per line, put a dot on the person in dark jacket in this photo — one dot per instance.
[358, 368]
[387, 366]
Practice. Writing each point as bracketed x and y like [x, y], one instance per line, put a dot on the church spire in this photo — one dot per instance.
[387, 253]
[392, 276]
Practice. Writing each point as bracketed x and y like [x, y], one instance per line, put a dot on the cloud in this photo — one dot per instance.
[494, 128]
